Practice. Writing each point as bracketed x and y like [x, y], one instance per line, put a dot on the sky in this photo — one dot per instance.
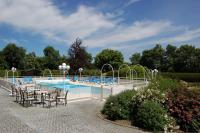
[129, 26]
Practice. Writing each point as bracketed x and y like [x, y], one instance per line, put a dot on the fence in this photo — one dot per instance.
[84, 88]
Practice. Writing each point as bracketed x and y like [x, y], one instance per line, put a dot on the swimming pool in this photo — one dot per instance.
[76, 90]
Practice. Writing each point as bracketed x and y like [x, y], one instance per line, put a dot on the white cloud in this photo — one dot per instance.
[185, 36]
[130, 2]
[41, 16]
[95, 28]
[134, 32]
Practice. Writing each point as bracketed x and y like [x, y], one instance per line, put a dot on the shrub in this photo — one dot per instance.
[91, 72]
[184, 105]
[164, 84]
[143, 95]
[155, 91]
[151, 116]
[189, 77]
[117, 107]
[124, 71]
[10, 74]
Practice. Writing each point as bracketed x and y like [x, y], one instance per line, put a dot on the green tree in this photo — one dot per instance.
[153, 58]
[2, 62]
[14, 56]
[113, 57]
[197, 60]
[169, 58]
[51, 58]
[135, 58]
[78, 56]
[31, 61]
[185, 59]
[41, 61]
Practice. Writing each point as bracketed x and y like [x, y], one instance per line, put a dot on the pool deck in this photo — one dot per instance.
[76, 117]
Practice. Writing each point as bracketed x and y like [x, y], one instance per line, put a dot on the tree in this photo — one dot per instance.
[135, 58]
[153, 58]
[169, 58]
[31, 61]
[113, 57]
[14, 56]
[78, 56]
[185, 59]
[51, 58]
[197, 60]
[2, 61]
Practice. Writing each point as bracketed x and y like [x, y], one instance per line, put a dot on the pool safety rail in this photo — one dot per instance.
[86, 87]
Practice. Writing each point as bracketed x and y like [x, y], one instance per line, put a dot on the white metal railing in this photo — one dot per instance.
[94, 90]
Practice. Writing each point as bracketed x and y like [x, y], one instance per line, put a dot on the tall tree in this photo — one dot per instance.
[113, 57]
[185, 59]
[2, 61]
[135, 58]
[169, 58]
[51, 58]
[31, 61]
[197, 60]
[153, 58]
[78, 56]
[14, 56]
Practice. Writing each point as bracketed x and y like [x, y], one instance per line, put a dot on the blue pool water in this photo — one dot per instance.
[74, 88]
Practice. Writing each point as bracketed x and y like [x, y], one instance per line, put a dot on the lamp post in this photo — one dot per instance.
[65, 68]
[13, 69]
[156, 72]
[80, 70]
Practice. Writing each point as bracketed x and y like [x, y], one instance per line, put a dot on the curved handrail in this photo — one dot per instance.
[110, 67]
[145, 71]
[120, 68]
[133, 70]
[48, 71]
[7, 72]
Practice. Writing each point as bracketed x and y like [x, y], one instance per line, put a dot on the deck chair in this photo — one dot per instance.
[27, 98]
[50, 97]
[17, 95]
[62, 98]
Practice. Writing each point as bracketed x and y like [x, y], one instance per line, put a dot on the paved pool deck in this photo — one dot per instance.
[76, 117]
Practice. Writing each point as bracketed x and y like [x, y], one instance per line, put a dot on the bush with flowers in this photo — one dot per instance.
[184, 105]
[117, 106]
[155, 94]
[152, 116]
[157, 107]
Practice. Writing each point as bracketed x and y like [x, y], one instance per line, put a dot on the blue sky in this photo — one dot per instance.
[126, 25]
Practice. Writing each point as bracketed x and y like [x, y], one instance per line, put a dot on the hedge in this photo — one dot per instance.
[10, 74]
[189, 77]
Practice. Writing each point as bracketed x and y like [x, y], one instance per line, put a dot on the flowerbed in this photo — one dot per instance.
[184, 105]
[158, 107]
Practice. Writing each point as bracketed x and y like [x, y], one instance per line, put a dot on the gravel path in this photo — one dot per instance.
[77, 117]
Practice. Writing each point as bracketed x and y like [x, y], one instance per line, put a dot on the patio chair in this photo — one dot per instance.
[50, 97]
[62, 98]
[20, 82]
[17, 95]
[27, 98]
[12, 89]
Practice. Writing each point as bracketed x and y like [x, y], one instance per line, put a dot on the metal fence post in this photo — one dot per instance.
[111, 90]
[101, 92]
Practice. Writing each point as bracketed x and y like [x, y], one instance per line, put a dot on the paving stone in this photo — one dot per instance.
[77, 117]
